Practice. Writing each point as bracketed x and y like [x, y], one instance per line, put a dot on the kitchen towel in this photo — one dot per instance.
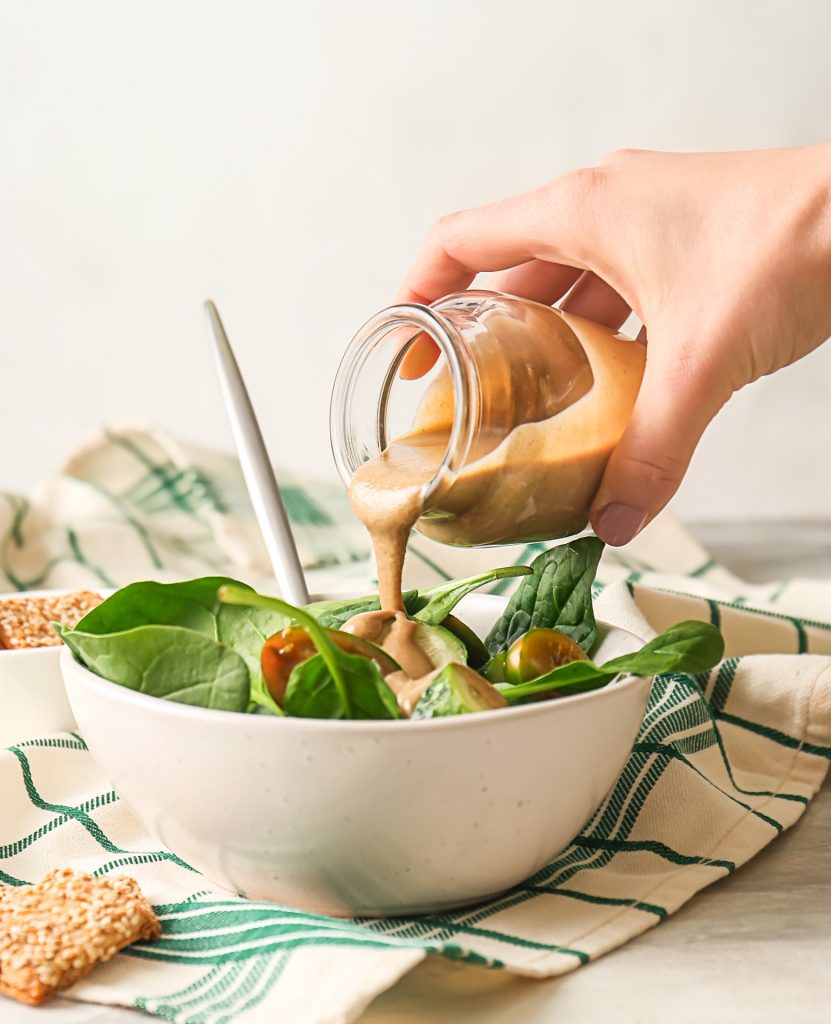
[722, 764]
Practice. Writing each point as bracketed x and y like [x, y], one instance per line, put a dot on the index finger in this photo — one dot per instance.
[497, 236]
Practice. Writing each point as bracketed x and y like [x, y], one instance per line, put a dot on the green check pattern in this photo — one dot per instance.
[722, 765]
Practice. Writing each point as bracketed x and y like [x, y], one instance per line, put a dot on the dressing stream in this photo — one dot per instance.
[396, 634]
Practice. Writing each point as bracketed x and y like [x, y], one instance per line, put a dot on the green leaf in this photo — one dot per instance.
[170, 662]
[261, 700]
[261, 709]
[434, 605]
[557, 595]
[312, 693]
[355, 687]
[576, 677]
[333, 614]
[689, 646]
[193, 605]
[245, 630]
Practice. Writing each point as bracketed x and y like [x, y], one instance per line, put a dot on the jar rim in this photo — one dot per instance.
[461, 367]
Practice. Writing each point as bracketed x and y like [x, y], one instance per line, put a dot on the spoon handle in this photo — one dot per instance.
[257, 469]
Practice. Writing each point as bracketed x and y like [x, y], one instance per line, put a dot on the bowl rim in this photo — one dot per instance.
[17, 653]
[70, 667]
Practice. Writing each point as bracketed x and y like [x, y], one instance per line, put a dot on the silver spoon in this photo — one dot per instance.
[260, 480]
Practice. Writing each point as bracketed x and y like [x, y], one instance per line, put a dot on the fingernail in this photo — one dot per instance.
[617, 524]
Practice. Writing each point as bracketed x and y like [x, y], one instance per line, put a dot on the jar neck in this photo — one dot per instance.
[368, 372]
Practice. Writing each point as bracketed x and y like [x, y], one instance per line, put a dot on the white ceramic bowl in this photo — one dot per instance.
[32, 696]
[370, 818]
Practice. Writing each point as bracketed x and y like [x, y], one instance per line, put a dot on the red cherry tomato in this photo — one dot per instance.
[280, 654]
[293, 645]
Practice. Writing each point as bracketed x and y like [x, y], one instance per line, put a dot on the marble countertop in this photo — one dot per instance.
[751, 949]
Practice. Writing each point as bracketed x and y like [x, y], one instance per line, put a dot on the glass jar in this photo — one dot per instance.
[523, 408]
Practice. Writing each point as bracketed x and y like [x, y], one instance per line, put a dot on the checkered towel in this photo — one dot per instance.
[722, 765]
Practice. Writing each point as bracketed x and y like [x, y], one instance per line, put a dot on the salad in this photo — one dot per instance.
[217, 643]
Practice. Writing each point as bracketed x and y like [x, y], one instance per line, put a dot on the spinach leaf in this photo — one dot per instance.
[170, 662]
[261, 700]
[576, 677]
[333, 614]
[556, 595]
[689, 646]
[431, 606]
[245, 630]
[350, 687]
[261, 709]
[686, 647]
[434, 605]
[312, 693]
[192, 605]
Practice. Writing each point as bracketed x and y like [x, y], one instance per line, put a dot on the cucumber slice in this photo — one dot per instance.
[457, 690]
[477, 653]
[494, 669]
[440, 645]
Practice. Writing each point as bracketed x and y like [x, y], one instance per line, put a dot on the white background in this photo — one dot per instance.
[286, 159]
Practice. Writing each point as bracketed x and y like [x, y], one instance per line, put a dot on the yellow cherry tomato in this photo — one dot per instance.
[538, 652]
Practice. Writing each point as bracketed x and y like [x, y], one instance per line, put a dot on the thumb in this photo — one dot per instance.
[678, 398]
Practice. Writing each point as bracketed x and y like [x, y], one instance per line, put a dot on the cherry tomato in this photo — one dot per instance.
[538, 652]
[280, 654]
[293, 645]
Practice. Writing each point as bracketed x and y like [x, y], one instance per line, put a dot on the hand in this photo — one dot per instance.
[724, 257]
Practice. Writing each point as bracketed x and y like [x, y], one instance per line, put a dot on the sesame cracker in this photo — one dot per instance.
[26, 622]
[53, 933]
